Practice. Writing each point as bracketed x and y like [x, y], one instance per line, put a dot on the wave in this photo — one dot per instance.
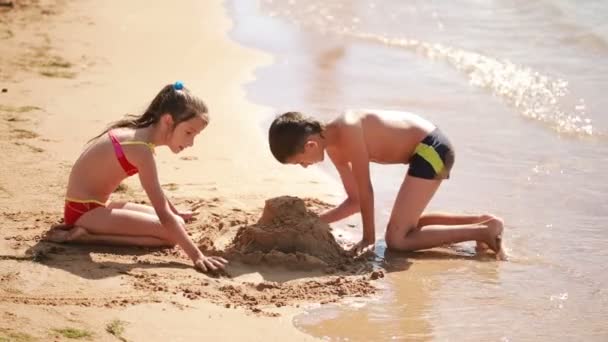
[536, 96]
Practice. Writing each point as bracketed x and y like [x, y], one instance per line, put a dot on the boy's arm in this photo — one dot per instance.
[356, 148]
[351, 203]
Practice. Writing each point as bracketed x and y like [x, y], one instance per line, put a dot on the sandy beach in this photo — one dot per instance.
[518, 87]
[66, 70]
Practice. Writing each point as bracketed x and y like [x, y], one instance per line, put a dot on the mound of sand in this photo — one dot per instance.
[290, 235]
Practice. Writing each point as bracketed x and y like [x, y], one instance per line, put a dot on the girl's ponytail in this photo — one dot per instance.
[173, 99]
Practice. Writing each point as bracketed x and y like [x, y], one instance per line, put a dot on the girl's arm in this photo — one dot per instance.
[148, 176]
[186, 215]
[172, 207]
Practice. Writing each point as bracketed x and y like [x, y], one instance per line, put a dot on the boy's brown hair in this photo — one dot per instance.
[288, 133]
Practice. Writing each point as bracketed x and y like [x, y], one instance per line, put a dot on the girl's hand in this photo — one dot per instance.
[210, 263]
[188, 216]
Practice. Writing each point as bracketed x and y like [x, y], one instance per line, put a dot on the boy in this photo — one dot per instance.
[356, 138]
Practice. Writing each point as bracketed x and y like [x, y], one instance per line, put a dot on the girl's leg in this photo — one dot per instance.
[112, 225]
[81, 235]
[403, 234]
[132, 206]
[135, 207]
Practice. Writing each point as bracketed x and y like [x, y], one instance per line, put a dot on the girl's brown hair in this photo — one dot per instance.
[173, 99]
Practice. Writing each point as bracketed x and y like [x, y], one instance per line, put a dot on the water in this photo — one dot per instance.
[518, 86]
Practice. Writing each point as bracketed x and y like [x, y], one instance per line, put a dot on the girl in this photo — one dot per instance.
[173, 119]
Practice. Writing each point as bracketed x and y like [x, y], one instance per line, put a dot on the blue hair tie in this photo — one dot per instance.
[178, 85]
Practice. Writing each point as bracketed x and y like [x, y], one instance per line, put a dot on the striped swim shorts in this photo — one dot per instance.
[433, 157]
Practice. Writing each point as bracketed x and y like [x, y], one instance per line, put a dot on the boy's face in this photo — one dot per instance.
[313, 153]
[184, 133]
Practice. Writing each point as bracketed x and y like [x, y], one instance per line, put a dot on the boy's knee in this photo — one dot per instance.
[391, 243]
[395, 236]
[397, 244]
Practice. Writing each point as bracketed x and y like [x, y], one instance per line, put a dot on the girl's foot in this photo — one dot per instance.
[63, 233]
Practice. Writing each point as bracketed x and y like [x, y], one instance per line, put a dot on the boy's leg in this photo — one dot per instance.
[402, 233]
[450, 219]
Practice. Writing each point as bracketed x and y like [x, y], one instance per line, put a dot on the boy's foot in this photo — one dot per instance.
[494, 237]
[63, 233]
[481, 246]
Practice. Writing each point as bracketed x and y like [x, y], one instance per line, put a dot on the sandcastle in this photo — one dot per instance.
[290, 235]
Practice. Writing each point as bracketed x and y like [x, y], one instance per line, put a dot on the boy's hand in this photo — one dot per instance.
[210, 263]
[188, 216]
[363, 247]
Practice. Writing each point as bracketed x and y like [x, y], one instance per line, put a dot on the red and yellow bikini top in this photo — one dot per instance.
[129, 168]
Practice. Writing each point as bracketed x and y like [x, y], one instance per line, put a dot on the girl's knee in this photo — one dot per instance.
[115, 205]
[169, 240]
[170, 243]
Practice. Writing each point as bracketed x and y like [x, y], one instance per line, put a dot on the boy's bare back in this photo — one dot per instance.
[389, 137]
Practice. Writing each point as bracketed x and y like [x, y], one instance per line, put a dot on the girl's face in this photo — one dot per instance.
[184, 133]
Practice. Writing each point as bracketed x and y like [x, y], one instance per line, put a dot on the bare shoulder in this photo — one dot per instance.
[140, 155]
[399, 117]
[347, 120]
[346, 134]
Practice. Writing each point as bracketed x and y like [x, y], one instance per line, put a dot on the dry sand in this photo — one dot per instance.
[66, 69]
